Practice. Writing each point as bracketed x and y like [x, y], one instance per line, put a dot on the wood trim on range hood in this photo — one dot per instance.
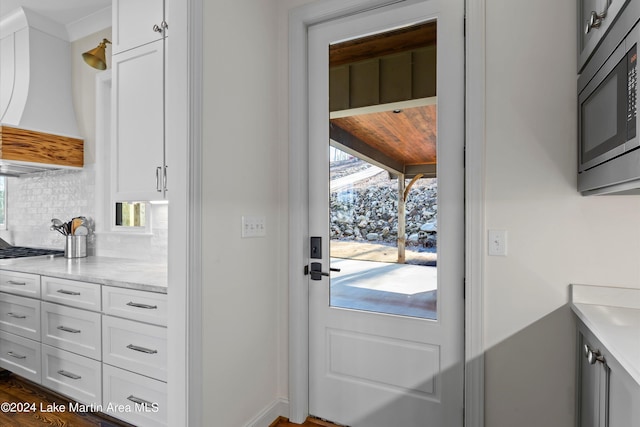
[27, 151]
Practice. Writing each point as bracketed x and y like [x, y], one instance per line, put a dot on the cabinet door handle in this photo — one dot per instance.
[16, 316]
[158, 171]
[595, 18]
[141, 349]
[139, 305]
[69, 375]
[63, 291]
[139, 401]
[13, 282]
[164, 179]
[67, 329]
[593, 356]
[17, 356]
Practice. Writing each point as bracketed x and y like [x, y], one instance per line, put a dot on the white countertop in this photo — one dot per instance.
[613, 315]
[120, 272]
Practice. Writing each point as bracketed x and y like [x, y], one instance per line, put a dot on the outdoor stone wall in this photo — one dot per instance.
[370, 214]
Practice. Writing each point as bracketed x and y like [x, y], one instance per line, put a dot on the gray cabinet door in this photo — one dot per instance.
[593, 387]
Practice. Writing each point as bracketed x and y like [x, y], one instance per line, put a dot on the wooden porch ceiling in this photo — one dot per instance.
[401, 140]
[398, 136]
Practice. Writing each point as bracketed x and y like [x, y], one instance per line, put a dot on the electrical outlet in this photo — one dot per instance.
[498, 242]
[254, 226]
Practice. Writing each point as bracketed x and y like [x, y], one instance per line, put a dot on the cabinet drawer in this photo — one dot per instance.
[145, 399]
[71, 292]
[133, 304]
[21, 356]
[72, 329]
[20, 283]
[20, 316]
[134, 346]
[72, 375]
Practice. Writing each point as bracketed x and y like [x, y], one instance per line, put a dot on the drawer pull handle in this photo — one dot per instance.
[69, 375]
[66, 329]
[141, 349]
[17, 356]
[16, 316]
[13, 282]
[139, 401]
[138, 305]
[63, 291]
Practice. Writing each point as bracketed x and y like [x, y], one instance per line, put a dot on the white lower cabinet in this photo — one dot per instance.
[20, 316]
[72, 375]
[21, 356]
[135, 346]
[72, 329]
[134, 398]
[99, 345]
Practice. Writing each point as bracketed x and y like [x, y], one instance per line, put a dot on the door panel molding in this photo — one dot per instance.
[299, 20]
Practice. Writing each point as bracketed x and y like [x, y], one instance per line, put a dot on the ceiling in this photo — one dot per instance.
[64, 12]
[400, 136]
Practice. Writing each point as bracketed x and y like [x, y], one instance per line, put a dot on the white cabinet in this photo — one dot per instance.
[21, 356]
[147, 396]
[143, 306]
[137, 22]
[72, 329]
[72, 375]
[139, 170]
[138, 123]
[20, 316]
[71, 292]
[24, 284]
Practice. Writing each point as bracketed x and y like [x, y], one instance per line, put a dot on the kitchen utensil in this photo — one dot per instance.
[75, 247]
[81, 230]
[75, 223]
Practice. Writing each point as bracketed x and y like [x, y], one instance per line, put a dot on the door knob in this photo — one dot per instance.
[317, 273]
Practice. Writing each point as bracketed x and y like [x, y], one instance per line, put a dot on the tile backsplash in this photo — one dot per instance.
[34, 199]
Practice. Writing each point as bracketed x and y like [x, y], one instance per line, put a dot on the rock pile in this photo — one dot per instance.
[370, 213]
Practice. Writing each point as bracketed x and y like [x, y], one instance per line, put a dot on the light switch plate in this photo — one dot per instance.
[254, 226]
[498, 242]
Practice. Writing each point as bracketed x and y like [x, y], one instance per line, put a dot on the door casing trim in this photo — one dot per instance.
[299, 20]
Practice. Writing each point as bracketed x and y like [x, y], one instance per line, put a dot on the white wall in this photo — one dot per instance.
[242, 164]
[556, 237]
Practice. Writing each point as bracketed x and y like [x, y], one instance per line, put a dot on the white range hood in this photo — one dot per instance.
[35, 95]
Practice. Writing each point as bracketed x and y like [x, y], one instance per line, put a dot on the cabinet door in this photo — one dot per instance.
[589, 40]
[138, 123]
[134, 21]
[593, 388]
[624, 399]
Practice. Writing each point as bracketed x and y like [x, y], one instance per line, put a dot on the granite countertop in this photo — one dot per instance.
[120, 272]
[613, 315]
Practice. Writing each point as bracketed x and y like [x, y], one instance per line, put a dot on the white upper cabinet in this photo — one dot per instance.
[137, 22]
[138, 170]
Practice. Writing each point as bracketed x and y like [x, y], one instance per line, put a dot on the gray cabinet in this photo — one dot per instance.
[607, 395]
[594, 20]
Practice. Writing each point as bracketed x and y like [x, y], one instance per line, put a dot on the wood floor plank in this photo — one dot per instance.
[310, 422]
[38, 407]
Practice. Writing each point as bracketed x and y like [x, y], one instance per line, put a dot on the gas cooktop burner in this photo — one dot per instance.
[21, 252]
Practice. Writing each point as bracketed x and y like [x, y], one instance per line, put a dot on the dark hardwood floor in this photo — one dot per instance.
[25, 404]
[310, 422]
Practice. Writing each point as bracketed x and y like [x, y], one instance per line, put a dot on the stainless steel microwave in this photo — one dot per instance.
[608, 140]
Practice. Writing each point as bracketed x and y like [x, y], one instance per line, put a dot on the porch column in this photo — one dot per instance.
[401, 220]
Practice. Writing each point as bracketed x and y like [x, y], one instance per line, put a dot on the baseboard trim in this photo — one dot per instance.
[278, 408]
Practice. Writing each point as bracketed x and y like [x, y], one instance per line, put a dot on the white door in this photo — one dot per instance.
[369, 366]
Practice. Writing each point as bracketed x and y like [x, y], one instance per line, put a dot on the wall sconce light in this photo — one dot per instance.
[96, 57]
